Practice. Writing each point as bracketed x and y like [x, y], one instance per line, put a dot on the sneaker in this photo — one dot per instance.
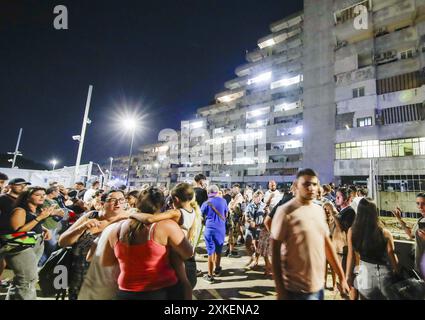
[217, 271]
[4, 283]
[199, 273]
[233, 254]
[208, 278]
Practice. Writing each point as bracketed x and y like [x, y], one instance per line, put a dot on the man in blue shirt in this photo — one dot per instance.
[214, 212]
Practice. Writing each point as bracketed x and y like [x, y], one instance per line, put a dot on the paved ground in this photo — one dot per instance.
[235, 282]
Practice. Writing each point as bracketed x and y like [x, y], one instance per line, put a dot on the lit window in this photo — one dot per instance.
[286, 82]
[258, 112]
[293, 144]
[285, 107]
[230, 97]
[364, 122]
[196, 125]
[380, 149]
[267, 43]
[261, 78]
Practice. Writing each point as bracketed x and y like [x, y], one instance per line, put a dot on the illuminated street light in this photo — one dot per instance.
[129, 124]
[53, 162]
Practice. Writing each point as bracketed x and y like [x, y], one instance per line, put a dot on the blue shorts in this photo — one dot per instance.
[214, 240]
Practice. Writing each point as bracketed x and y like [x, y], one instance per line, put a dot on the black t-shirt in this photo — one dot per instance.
[7, 204]
[346, 218]
[228, 198]
[284, 200]
[201, 195]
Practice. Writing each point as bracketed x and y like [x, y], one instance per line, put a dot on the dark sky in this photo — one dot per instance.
[164, 58]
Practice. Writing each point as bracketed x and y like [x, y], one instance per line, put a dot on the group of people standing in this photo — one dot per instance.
[142, 244]
[123, 245]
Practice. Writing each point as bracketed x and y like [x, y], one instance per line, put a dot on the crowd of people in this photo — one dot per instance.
[142, 244]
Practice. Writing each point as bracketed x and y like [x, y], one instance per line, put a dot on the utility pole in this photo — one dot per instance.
[110, 168]
[17, 152]
[83, 133]
[129, 158]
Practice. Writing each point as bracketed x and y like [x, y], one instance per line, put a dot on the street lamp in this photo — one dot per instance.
[129, 124]
[156, 165]
[53, 162]
[110, 168]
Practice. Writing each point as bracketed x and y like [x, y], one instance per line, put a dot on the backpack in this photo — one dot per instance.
[406, 286]
[49, 272]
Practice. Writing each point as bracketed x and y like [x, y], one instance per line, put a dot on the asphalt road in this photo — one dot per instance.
[236, 282]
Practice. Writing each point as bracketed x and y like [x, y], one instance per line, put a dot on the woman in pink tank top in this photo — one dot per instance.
[142, 251]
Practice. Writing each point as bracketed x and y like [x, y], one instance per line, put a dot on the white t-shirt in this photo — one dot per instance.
[100, 282]
[88, 196]
[276, 198]
[355, 203]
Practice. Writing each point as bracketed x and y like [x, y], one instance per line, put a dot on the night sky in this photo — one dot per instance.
[164, 58]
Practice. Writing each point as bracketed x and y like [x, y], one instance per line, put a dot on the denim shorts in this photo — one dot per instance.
[372, 280]
[319, 295]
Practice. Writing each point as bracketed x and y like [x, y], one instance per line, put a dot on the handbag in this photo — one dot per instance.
[407, 285]
[49, 271]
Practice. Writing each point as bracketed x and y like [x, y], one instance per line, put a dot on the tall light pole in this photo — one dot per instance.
[80, 138]
[53, 162]
[156, 165]
[17, 152]
[110, 168]
[129, 124]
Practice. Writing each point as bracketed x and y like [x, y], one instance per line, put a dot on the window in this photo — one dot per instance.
[364, 122]
[358, 92]
[401, 82]
[400, 114]
[380, 149]
[406, 54]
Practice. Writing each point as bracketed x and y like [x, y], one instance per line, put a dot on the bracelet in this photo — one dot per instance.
[36, 220]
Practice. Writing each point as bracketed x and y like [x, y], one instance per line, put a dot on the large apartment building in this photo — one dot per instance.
[256, 124]
[339, 87]
[379, 96]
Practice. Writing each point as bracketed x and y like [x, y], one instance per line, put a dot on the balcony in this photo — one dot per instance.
[286, 23]
[229, 96]
[398, 67]
[291, 151]
[283, 165]
[404, 10]
[396, 39]
[358, 104]
[278, 37]
[216, 108]
[399, 98]
[348, 78]
[347, 32]
[267, 63]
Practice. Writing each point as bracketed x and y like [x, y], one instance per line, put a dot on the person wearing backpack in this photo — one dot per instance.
[214, 212]
[83, 233]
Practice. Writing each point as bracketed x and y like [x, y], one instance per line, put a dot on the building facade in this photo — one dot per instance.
[339, 88]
